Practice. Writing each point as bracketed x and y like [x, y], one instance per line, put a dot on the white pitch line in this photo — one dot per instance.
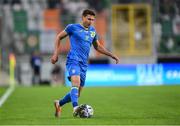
[6, 95]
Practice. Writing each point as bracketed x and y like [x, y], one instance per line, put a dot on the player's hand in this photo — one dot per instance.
[54, 58]
[116, 58]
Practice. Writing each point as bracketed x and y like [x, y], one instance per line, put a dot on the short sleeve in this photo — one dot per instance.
[69, 29]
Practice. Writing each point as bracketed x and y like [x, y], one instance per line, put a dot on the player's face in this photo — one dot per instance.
[88, 20]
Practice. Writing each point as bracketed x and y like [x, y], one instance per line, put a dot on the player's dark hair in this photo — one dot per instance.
[88, 12]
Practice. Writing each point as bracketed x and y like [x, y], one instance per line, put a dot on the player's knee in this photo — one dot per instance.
[75, 85]
[75, 81]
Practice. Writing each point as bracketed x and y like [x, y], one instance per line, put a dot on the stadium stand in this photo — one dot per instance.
[30, 25]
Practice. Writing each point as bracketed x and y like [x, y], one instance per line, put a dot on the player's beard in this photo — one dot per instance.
[87, 25]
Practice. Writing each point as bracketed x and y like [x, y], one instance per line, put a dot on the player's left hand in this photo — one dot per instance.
[54, 59]
[116, 58]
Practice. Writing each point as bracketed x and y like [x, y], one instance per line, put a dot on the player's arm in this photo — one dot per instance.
[56, 52]
[104, 51]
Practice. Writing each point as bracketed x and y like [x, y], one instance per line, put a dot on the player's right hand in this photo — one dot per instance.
[54, 59]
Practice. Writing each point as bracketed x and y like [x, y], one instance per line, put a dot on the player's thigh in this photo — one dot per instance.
[83, 77]
[75, 80]
[73, 68]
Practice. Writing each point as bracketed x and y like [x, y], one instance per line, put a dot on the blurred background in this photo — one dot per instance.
[145, 34]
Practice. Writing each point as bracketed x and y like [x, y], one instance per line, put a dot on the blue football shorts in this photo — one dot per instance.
[76, 68]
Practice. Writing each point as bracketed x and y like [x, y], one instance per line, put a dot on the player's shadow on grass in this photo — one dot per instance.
[72, 118]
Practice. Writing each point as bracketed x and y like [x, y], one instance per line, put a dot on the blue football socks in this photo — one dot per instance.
[74, 96]
[66, 99]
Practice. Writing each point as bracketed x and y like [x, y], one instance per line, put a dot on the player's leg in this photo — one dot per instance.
[78, 110]
[83, 78]
[80, 89]
[57, 108]
[81, 86]
[78, 83]
[75, 80]
[67, 97]
[74, 76]
[59, 103]
[73, 70]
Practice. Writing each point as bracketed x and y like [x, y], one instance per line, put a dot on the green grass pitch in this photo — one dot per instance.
[2, 90]
[145, 105]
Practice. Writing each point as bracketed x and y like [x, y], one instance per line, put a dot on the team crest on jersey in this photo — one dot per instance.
[93, 34]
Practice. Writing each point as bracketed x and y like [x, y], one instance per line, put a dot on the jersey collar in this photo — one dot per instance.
[84, 27]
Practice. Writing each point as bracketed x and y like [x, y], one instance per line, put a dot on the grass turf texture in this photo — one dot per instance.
[112, 105]
[2, 90]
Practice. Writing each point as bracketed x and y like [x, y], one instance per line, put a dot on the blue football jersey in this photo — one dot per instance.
[81, 41]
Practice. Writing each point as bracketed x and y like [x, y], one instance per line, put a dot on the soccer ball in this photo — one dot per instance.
[86, 111]
[90, 110]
